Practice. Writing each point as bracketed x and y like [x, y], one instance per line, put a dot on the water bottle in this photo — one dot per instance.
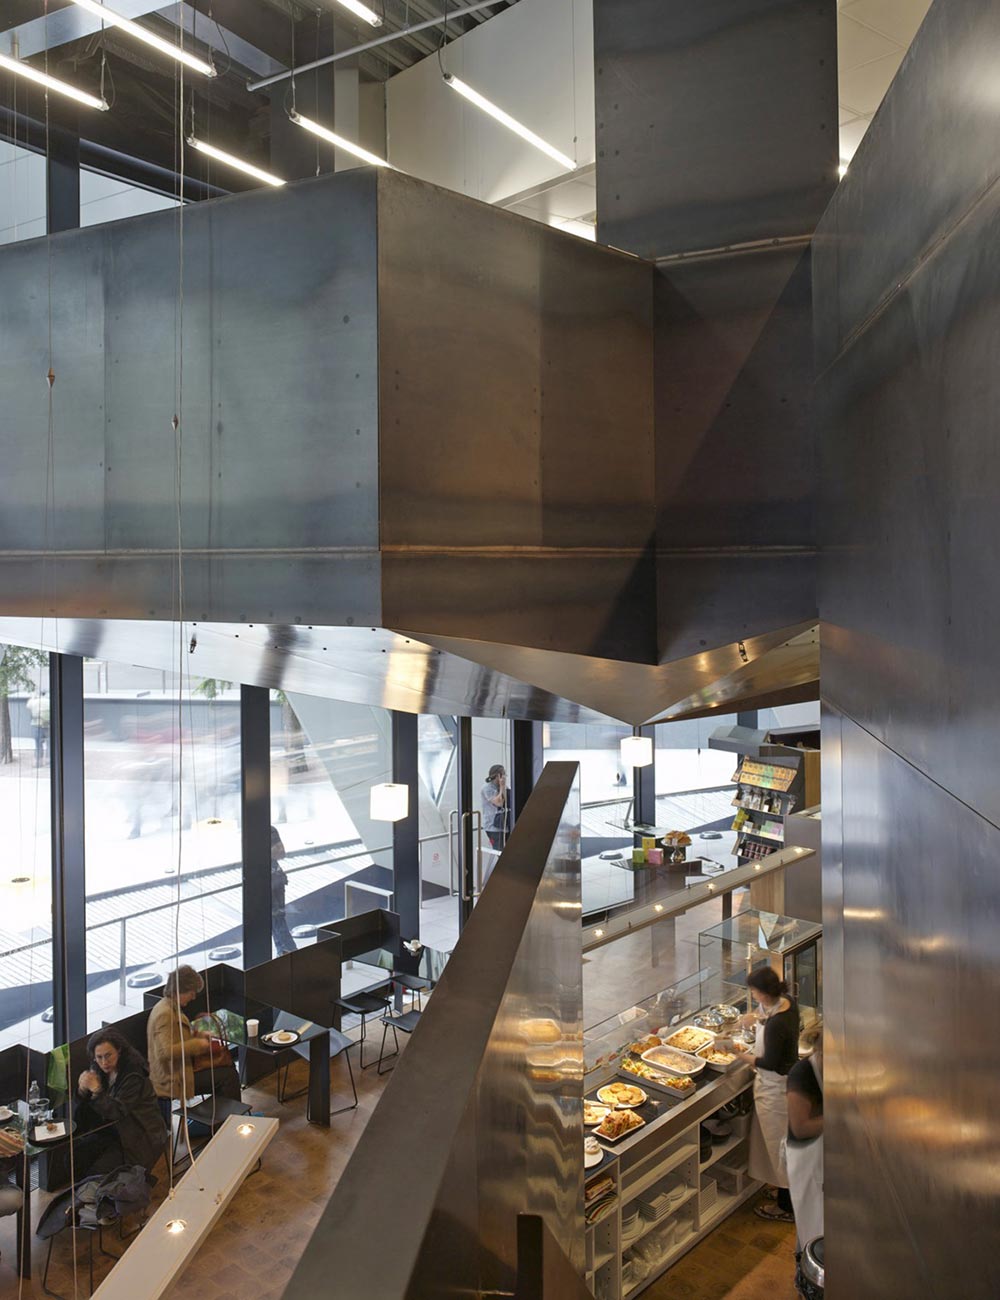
[34, 1094]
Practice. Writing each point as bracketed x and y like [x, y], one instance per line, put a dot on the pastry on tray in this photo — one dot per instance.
[617, 1123]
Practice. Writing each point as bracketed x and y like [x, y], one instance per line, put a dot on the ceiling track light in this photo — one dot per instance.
[331, 137]
[53, 83]
[361, 11]
[505, 119]
[147, 37]
[230, 160]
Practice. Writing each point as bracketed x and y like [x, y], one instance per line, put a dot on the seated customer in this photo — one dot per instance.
[179, 1059]
[116, 1090]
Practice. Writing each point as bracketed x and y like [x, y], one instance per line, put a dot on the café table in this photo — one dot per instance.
[22, 1121]
[271, 1020]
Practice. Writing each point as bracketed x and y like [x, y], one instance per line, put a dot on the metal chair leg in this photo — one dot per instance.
[350, 1074]
[45, 1272]
[387, 1024]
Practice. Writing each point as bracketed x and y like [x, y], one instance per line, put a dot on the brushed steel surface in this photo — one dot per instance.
[716, 123]
[279, 421]
[913, 1138]
[377, 666]
[362, 665]
[907, 324]
[516, 428]
[479, 1122]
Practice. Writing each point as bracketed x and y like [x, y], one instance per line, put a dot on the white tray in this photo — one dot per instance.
[691, 1064]
[660, 1087]
[719, 1069]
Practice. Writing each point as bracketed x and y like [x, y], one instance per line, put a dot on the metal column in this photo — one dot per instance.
[644, 785]
[69, 889]
[62, 177]
[255, 816]
[466, 837]
[406, 832]
[526, 761]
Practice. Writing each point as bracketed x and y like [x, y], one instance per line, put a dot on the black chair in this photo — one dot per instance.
[404, 1024]
[213, 1113]
[338, 1043]
[364, 1004]
[415, 985]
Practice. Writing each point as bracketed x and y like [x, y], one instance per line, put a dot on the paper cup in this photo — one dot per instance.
[253, 1026]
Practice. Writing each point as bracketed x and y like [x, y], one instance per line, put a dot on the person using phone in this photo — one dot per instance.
[493, 805]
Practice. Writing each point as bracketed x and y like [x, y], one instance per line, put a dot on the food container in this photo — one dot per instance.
[673, 1061]
[709, 1020]
[638, 857]
[689, 1038]
[728, 1014]
[654, 857]
[716, 1066]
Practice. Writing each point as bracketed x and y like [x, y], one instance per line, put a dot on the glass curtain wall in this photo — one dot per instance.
[437, 769]
[694, 786]
[606, 802]
[26, 875]
[334, 860]
[163, 845]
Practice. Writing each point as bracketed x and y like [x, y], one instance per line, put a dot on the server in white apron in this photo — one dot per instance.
[805, 1145]
[775, 1051]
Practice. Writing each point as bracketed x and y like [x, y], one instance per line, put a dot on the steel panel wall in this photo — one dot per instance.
[908, 326]
[280, 409]
[716, 121]
[516, 429]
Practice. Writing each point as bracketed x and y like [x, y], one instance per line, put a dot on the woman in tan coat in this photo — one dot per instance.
[179, 1059]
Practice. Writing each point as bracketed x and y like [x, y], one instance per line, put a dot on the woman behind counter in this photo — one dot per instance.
[116, 1090]
[774, 1052]
[179, 1059]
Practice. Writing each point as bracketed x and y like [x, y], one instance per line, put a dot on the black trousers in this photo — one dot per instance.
[224, 1078]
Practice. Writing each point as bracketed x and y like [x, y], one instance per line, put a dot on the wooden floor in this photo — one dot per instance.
[251, 1252]
[745, 1258]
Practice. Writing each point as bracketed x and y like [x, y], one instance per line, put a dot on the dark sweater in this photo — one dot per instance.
[781, 1041]
[130, 1104]
[802, 1079]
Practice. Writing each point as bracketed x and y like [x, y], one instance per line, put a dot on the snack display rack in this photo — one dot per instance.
[768, 789]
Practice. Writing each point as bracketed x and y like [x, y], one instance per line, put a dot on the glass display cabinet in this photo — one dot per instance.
[793, 948]
[606, 1042]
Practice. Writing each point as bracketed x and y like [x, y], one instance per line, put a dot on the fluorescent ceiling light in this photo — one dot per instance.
[52, 83]
[332, 138]
[511, 123]
[361, 11]
[169, 48]
[221, 156]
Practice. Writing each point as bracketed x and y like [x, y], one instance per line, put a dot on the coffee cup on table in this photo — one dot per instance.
[253, 1027]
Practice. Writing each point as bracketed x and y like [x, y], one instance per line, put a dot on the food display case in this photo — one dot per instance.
[605, 1045]
[793, 948]
[673, 1162]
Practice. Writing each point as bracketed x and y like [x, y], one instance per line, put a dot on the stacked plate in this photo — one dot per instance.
[631, 1221]
[709, 1192]
[658, 1207]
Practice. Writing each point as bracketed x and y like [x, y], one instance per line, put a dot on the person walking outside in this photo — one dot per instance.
[280, 932]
